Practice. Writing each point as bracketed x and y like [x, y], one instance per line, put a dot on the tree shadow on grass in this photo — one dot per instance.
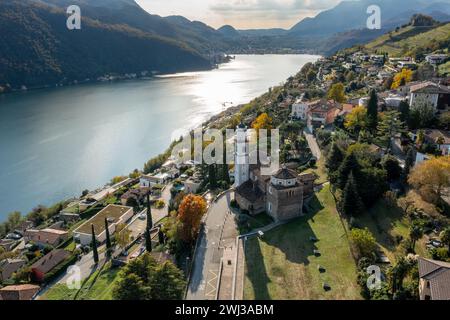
[293, 239]
[381, 220]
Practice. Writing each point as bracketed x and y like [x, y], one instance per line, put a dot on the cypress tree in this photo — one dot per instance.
[94, 245]
[351, 201]
[212, 176]
[161, 237]
[148, 240]
[404, 111]
[149, 213]
[372, 111]
[349, 165]
[335, 158]
[108, 238]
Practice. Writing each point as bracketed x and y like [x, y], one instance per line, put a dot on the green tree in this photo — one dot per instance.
[149, 213]
[161, 237]
[415, 233]
[445, 237]
[372, 111]
[212, 175]
[131, 287]
[409, 162]
[148, 240]
[337, 92]
[167, 282]
[404, 111]
[392, 167]
[108, 238]
[351, 201]
[144, 279]
[364, 242]
[389, 126]
[334, 159]
[349, 165]
[94, 245]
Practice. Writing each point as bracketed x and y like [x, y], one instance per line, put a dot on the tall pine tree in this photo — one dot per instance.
[351, 204]
[372, 111]
[349, 165]
[94, 245]
[212, 176]
[149, 213]
[108, 238]
[161, 237]
[334, 159]
[148, 240]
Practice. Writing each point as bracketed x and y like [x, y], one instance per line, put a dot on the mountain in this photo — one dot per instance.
[195, 34]
[351, 15]
[36, 48]
[229, 32]
[412, 40]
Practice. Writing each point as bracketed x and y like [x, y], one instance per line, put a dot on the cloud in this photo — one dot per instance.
[243, 14]
[273, 11]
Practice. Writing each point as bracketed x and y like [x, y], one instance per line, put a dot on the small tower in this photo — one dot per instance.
[241, 157]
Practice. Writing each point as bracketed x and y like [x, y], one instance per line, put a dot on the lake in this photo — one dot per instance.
[57, 142]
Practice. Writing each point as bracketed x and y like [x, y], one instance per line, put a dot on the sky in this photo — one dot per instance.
[241, 14]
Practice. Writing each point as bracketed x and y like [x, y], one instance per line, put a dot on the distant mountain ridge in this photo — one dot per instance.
[38, 50]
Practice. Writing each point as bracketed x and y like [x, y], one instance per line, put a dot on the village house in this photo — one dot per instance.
[47, 263]
[430, 93]
[113, 213]
[138, 195]
[280, 194]
[322, 113]
[439, 138]
[299, 109]
[434, 283]
[148, 181]
[22, 292]
[436, 59]
[52, 237]
[9, 266]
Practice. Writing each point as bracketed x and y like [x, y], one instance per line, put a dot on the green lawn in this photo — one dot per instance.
[282, 264]
[320, 171]
[98, 286]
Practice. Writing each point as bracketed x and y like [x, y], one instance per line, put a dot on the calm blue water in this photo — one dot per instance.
[57, 142]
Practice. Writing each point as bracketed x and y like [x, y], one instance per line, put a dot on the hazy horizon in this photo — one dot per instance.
[241, 14]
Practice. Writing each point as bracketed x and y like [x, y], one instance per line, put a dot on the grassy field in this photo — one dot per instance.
[98, 286]
[282, 265]
[320, 171]
[409, 38]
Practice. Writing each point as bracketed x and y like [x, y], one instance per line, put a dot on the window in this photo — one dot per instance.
[270, 207]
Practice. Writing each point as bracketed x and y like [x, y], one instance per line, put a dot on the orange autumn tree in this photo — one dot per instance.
[263, 121]
[402, 78]
[431, 178]
[190, 214]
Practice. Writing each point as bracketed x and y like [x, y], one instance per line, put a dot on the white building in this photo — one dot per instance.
[436, 58]
[299, 109]
[149, 181]
[393, 101]
[425, 93]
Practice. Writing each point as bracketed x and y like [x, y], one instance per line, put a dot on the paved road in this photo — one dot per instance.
[205, 271]
[312, 142]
